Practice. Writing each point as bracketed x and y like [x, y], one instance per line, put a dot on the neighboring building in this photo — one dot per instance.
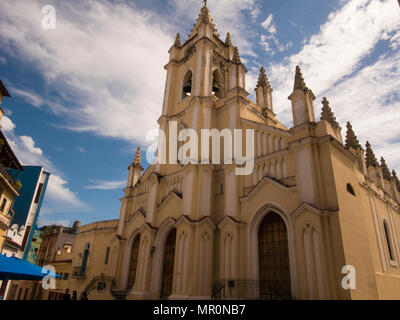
[314, 206]
[94, 260]
[35, 246]
[56, 250]
[26, 209]
[9, 185]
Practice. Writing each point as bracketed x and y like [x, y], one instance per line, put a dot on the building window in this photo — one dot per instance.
[350, 189]
[107, 254]
[3, 204]
[66, 275]
[38, 193]
[388, 240]
[187, 85]
[67, 248]
[216, 84]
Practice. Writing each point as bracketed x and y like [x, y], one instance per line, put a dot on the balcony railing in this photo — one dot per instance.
[9, 177]
[78, 273]
[248, 289]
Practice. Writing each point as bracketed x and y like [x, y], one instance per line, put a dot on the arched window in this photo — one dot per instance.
[107, 255]
[388, 240]
[133, 262]
[217, 89]
[350, 189]
[187, 85]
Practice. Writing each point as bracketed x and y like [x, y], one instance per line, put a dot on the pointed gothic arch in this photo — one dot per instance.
[167, 276]
[273, 252]
[217, 88]
[187, 84]
[133, 262]
[254, 245]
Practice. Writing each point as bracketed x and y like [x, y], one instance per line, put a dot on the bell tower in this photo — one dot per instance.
[202, 72]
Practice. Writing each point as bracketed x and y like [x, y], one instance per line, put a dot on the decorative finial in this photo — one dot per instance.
[327, 113]
[396, 180]
[351, 138]
[205, 3]
[228, 41]
[263, 80]
[299, 81]
[137, 162]
[236, 56]
[178, 40]
[385, 170]
[370, 156]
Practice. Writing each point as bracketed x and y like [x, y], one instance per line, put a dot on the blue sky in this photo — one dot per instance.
[84, 95]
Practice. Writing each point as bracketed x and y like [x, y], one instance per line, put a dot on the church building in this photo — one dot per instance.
[318, 217]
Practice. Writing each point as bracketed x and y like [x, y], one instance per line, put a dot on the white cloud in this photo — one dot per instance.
[29, 144]
[106, 185]
[228, 16]
[58, 196]
[269, 25]
[331, 63]
[106, 60]
[57, 190]
[348, 36]
[29, 96]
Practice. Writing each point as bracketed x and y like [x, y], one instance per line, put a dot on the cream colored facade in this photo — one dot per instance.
[334, 206]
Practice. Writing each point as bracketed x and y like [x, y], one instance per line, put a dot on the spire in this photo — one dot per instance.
[370, 156]
[385, 170]
[327, 113]
[204, 17]
[236, 56]
[351, 138]
[228, 41]
[137, 162]
[178, 40]
[263, 80]
[396, 180]
[299, 81]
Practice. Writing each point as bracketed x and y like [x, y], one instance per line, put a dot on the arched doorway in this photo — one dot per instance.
[273, 249]
[168, 265]
[133, 262]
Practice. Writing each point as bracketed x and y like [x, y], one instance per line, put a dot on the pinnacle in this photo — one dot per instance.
[236, 56]
[204, 17]
[370, 156]
[385, 170]
[178, 40]
[299, 80]
[137, 162]
[351, 138]
[327, 113]
[263, 79]
[228, 41]
[396, 180]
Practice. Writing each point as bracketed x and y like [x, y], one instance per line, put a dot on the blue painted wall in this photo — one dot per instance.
[29, 179]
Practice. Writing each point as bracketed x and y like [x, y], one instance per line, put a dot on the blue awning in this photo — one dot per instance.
[18, 269]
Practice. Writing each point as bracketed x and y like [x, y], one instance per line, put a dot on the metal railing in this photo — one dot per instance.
[103, 283]
[248, 289]
[78, 273]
